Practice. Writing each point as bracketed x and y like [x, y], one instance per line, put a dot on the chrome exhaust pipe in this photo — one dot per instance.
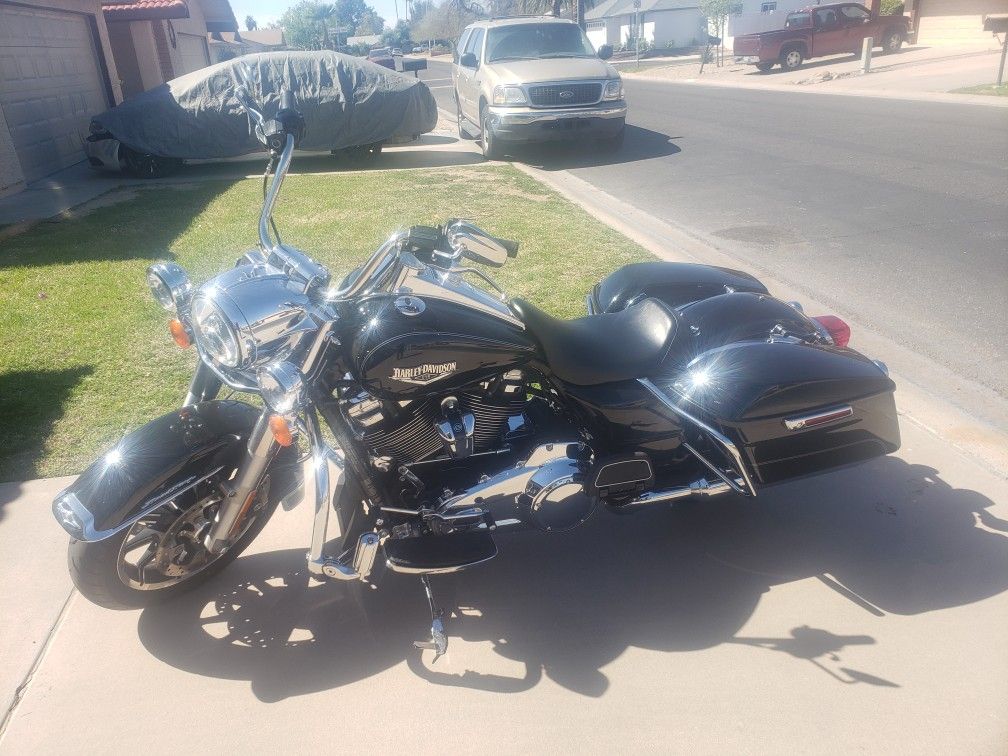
[701, 487]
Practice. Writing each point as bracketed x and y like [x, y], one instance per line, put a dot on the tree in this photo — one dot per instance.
[250, 23]
[717, 12]
[398, 36]
[310, 24]
[445, 21]
[369, 23]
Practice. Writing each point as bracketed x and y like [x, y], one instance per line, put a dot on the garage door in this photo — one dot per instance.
[192, 53]
[951, 22]
[49, 86]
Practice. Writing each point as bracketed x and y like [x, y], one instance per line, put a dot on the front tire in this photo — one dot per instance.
[489, 144]
[765, 67]
[145, 165]
[171, 557]
[893, 41]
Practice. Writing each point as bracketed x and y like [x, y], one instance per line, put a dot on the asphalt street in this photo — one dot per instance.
[894, 211]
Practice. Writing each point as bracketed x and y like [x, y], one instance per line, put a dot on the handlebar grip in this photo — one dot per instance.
[510, 246]
[286, 99]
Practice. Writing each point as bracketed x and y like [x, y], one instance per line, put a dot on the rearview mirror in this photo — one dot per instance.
[476, 244]
[468, 60]
[605, 52]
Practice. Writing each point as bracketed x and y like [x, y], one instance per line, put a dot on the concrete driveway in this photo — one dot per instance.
[860, 611]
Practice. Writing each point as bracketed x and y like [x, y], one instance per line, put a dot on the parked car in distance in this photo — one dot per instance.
[195, 117]
[419, 49]
[820, 30]
[520, 80]
[396, 51]
[382, 56]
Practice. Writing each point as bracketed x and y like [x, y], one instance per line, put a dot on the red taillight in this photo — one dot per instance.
[836, 328]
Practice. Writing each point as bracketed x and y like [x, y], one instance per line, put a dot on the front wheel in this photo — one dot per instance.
[145, 165]
[488, 142]
[893, 41]
[765, 66]
[163, 554]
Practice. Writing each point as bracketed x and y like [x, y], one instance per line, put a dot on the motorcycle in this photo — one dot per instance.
[419, 409]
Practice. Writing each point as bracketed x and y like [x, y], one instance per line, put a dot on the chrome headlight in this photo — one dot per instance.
[216, 333]
[251, 316]
[170, 285]
[613, 89]
[509, 96]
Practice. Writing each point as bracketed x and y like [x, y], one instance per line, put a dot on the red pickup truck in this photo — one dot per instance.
[821, 30]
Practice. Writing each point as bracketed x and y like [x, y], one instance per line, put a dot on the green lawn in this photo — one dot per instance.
[86, 353]
[985, 89]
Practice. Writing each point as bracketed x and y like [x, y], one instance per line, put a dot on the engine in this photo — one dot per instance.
[477, 419]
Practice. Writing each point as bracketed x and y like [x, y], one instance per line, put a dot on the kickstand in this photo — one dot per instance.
[439, 640]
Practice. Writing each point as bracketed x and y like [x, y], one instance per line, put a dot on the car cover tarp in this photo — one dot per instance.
[346, 102]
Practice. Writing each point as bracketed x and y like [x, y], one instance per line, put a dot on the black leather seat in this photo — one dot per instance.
[602, 348]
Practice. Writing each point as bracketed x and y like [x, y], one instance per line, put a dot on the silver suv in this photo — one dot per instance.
[533, 80]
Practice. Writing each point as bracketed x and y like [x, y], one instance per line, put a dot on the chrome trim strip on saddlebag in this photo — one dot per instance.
[818, 418]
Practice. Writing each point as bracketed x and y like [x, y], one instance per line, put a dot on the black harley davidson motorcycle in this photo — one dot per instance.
[424, 409]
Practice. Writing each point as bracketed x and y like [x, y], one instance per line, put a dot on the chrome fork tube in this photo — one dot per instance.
[242, 491]
[325, 473]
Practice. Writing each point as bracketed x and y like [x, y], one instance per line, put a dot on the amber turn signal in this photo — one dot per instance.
[281, 430]
[179, 333]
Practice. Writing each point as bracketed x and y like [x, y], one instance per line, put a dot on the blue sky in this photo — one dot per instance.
[271, 10]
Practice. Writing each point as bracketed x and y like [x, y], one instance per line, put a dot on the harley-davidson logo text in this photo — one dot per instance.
[422, 374]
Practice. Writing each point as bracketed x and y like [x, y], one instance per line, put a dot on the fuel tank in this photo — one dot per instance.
[404, 346]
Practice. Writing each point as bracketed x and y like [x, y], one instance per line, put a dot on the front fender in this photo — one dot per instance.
[153, 464]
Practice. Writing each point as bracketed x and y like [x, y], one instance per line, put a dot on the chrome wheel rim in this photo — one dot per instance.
[793, 59]
[166, 548]
[894, 41]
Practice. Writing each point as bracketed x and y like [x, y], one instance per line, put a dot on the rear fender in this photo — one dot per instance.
[152, 465]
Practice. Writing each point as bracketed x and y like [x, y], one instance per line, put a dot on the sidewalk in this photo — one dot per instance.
[804, 619]
[914, 73]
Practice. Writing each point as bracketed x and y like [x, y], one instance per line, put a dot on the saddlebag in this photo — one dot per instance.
[673, 283]
[790, 408]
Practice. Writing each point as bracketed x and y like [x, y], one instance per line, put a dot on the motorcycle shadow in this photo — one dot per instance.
[891, 537]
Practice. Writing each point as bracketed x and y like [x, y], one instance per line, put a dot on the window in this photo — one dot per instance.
[798, 21]
[768, 7]
[460, 47]
[475, 43]
[826, 18]
[855, 13]
[533, 41]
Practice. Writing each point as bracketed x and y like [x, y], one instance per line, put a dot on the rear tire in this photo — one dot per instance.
[764, 67]
[791, 60]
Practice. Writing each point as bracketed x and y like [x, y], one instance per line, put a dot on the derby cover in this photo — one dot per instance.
[346, 102]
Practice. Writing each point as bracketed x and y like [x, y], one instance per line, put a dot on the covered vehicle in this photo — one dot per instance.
[349, 104]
